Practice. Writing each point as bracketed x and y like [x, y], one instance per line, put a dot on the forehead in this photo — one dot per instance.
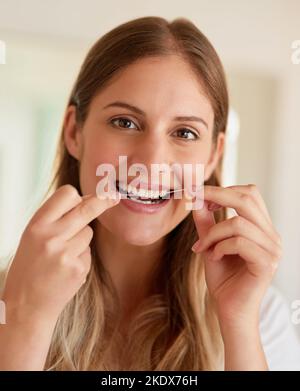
[159, 85]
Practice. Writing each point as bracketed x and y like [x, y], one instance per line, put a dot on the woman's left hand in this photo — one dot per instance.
[241, 253]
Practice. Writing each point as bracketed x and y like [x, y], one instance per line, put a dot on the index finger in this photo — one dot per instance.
[241, 202]
[64, 199]
[258, 198]
[90, 208]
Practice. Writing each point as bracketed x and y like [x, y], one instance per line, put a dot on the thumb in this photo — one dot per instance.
[204, 219]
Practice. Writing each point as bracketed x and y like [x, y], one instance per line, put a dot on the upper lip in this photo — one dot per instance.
[150, 186]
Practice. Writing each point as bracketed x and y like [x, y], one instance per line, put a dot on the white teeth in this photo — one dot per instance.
[143, 192]
[144, 201]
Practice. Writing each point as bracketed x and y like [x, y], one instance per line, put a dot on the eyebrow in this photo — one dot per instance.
[141, 112]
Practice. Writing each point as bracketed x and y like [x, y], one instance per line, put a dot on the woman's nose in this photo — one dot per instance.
[152, 150]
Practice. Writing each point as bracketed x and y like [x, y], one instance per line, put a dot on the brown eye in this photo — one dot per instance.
[187, 134]
[123, 122]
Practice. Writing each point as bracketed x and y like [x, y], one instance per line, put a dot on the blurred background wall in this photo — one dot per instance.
[45, 45]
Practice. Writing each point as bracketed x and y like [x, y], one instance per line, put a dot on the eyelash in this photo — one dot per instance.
[181, 129]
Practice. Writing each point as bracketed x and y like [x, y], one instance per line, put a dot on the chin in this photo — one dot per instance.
[136, 239]
[135, 233]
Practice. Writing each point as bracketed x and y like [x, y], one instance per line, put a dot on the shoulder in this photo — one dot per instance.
[279, 338]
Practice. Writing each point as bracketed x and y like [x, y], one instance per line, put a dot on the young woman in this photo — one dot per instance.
[98, 283]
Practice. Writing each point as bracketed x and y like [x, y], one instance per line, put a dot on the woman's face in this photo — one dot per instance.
[162, 88]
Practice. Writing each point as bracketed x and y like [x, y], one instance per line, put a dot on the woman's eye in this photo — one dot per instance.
[187, 134]
[123, 122]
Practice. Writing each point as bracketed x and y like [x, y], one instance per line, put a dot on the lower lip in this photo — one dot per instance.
[144, 208]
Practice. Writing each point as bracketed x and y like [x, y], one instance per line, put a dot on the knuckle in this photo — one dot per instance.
[278, 253]
[237, 222]
[245, 198]
[252, 189]
[270, 265]
[50, 246]
[238, 242]
[78, 270]
[63, 259]
[33, 229]
[88, 264]
[89, 232]
[86, 209]
[70, 190]
[267, 267]
[278, 239]
[274, 258]
[86, 255]
[274, 264]
[86, 259]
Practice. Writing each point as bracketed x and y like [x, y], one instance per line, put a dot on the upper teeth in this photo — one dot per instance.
[143, 192]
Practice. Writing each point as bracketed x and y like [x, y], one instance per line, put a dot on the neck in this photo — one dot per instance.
[131, 267]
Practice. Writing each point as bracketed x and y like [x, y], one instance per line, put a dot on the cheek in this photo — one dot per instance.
[95, 152]
[193, 166]
[201, 157]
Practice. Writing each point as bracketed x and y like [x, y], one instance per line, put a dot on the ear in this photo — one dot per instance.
[72, 133]
[216, 153]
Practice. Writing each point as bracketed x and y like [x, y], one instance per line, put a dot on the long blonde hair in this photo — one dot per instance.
[176, 328]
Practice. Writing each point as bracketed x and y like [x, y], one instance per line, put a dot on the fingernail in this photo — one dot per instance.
[200, 246]
[195, 246]
[212, 206]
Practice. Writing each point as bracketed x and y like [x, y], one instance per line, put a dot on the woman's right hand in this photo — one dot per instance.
[53, 257]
